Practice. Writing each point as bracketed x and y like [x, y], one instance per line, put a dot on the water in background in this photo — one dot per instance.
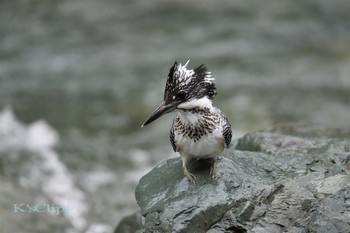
[78, 78]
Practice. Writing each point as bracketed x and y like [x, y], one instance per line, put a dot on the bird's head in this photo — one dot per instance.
[185, 89]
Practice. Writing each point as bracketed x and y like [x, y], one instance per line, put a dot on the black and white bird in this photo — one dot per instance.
[199, 130]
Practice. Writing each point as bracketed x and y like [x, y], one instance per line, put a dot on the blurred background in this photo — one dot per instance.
[79, 77]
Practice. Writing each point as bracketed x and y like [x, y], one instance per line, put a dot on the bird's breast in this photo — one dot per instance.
[207, 146]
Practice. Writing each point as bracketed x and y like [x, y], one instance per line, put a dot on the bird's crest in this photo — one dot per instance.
[186, 83]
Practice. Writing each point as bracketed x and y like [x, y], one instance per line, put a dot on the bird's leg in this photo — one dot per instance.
[189, 175]
[212, 169]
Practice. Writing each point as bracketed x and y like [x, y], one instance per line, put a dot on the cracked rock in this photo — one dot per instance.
[270, 182]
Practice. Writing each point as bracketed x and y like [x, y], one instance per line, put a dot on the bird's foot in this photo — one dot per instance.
[213, 170]
[190, 176]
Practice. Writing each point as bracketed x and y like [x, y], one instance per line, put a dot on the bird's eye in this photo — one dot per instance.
[181, 95]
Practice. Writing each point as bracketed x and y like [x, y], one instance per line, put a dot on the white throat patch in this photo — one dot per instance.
[203, 102]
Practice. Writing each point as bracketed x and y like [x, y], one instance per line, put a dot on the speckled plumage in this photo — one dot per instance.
[204, 138]
[208, 121]
[199, 130]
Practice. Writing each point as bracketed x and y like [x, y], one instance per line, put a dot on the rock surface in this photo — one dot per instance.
[268, 182]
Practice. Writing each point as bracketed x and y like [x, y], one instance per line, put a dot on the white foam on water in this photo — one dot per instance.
[41, 135]
[46, 172]
[94, 180]
[12, 133]
[99, 228]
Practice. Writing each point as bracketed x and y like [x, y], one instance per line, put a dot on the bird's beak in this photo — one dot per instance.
[160, 111]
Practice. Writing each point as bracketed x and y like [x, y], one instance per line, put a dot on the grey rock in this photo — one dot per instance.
[270, 182]
[129, 224]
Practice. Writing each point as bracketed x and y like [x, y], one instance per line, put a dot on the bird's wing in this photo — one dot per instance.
[227, 136]
[172, 137]
[227, 131]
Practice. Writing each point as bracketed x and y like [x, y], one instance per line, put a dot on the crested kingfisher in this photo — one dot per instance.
[199, 130]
